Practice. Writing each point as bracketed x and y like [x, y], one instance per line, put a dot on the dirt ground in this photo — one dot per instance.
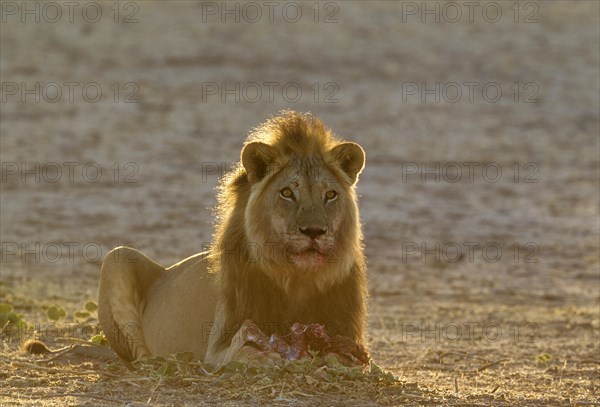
[480, 197]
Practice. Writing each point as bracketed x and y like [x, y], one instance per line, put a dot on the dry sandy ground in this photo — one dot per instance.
[460, 323]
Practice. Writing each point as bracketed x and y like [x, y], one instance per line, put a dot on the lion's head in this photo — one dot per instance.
[292, 203]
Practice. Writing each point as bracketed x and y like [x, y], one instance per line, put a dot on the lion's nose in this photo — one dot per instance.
[313, 232]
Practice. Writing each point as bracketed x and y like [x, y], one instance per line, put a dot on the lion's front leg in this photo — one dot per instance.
[249, 345]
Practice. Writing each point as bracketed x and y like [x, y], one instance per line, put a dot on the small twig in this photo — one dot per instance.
[270, 385]
[281, 391]
[340, 388]
[299, 393]
[58, 353]
[412, 396]
[78, 340]
[4, 327]
[456, 385]
[460, 354]
[491, 364]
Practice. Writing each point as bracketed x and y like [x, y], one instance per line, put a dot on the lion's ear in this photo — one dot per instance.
[256, 158]
[351, 159]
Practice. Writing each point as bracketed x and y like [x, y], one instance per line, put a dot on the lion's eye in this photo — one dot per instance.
[286, 193]
[330, 196]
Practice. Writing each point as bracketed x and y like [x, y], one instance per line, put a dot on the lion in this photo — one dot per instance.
[287, 249]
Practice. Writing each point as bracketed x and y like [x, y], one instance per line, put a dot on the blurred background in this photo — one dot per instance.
[480, 196]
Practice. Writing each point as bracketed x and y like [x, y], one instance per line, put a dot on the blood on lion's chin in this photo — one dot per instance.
[309, 260]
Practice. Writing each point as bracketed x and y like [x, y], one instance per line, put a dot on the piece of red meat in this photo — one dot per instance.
[303, 337]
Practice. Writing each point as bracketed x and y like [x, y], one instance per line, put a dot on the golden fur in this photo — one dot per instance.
[267, 287]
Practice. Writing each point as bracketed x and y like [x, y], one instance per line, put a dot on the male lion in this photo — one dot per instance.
[287, 249]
